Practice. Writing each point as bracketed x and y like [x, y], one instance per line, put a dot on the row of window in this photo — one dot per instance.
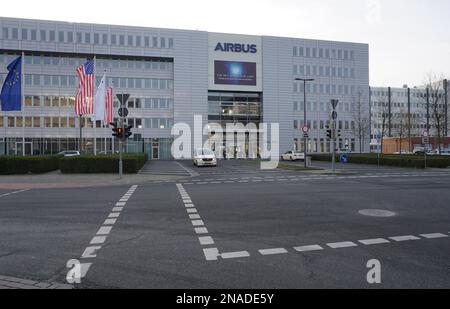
[74, 62]
[320, 107]
[325, 88]
[398, 115]
[397, 126]
[398, 105]
[323, 145]
[79, 37]
[422, 94]
[324, 53]
[73, 122]
[69, 102]
[72, 81]
[321, 124]
[323, 71]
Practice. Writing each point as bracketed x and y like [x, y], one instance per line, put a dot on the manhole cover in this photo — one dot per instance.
[377, 213]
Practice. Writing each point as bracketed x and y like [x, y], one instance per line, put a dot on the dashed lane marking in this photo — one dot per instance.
[308, 248]
[15, 192]
[273, 251]
[433, 236]
[99, 239]
[344, 244]
[404, 238]
[376, 241]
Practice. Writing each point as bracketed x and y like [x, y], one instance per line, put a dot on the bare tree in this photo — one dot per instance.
[401, 126]
[436, 106]
[381, 122]
[361, 120]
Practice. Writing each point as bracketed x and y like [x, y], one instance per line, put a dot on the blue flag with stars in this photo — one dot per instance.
[11, 95]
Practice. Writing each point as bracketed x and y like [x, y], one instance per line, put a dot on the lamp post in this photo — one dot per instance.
[305, 139]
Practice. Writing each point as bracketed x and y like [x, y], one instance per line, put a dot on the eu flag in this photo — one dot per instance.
[11, 95]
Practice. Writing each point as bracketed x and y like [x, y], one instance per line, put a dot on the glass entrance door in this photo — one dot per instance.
[20, 148]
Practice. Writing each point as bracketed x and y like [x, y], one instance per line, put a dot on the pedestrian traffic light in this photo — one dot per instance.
[338, 133]
[128, 132]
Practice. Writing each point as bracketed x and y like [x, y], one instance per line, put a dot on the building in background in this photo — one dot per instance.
[405, 113]
[173, 75]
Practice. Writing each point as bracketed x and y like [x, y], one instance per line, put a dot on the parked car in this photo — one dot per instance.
[204, 157]
[69, 153]
[419, 150]
[293, 156]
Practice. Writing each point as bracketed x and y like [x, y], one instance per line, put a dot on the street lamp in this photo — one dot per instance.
[305, 139]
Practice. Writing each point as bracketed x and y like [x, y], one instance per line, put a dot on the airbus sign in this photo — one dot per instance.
[236, 48]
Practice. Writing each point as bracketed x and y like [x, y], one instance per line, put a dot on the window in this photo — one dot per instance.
[113, 39]
[61, 36]
[36, 80]
[52, 35]
[15, 33]
[121, 40]
[146, 41]
[11, 122]
[87, 38]
[170, 42]
[79, 37]
[70, 37]
[36, 122]
[130, 40]
[19, 122]
[5, 33]
[43, 35]
[155, 42]
[55, 122]
[28, 122]
[163, 43]
[105, 39]
[96, 38]
[24, 34]
[138, 41]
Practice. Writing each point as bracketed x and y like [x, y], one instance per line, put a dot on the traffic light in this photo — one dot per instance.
[117, 132]
[128, 132]
[329, 132]
[338, 133]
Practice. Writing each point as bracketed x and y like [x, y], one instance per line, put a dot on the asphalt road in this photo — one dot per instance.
[236, 226]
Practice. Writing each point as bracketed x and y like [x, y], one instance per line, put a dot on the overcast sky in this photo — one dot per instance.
[407, 38]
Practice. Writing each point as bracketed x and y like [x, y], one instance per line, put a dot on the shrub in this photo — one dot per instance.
[13, 165]
[412, 161]
[86, 164]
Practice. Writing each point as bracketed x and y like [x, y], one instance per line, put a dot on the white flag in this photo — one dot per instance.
[100, 101]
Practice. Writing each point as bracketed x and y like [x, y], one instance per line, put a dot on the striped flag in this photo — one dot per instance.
[109, 106]
[84, 100]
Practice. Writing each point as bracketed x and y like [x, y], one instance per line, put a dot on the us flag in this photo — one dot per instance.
[84, 100]
[109, 106]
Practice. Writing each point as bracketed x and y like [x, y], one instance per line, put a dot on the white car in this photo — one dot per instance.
[204, 157]
[293, 156]
[69, 153]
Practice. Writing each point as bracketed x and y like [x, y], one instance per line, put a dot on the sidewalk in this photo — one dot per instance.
[57, 180]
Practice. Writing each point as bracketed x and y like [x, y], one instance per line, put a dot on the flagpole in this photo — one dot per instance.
[23, 101]
[94, 123]
[103, 121]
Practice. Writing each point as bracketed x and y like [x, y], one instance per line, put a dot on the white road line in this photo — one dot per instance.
[121, 204]
[117, 209]
[194, 217]
[344, 244]
[191, 210]
[104, 230]
[201, 230]
[235, 255]
[197, 223]
[433, 236]
[90, 252]
[211, 254]
[15, 192]
[273, 251]
[206, 240]
[114, 215]
[375, 241]
[308, 248]
[404, 238]
[110, 222]
[97, 240]
[189, 205]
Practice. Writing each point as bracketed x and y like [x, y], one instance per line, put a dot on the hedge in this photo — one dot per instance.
[86, 164]
[413, 161]
[11, 165]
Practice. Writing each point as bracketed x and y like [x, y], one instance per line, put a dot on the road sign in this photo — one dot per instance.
[123, 112]
[305, 129]
[425, 140]
[344, 158]
[123, 98]
[334, 115]
[425, 133]
[305, 135]
[334, 103]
